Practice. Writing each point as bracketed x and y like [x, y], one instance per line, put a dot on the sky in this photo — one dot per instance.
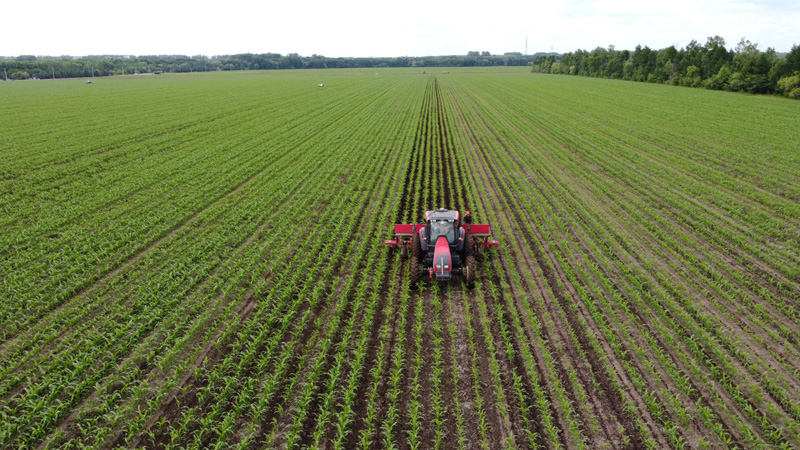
[385, 28]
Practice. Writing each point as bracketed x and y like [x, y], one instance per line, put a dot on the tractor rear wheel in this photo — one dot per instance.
[469, 271]
[415, 271]
[416, 255]
[416, 248]
[469, 246]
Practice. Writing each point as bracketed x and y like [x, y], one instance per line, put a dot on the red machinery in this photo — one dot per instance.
[443, 245]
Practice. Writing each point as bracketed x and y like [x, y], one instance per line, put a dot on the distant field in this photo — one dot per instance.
[197, 261]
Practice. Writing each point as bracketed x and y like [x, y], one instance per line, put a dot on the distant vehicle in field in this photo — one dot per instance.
[88, 81]
[321, 85]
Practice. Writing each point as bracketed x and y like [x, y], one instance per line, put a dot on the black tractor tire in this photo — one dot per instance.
[415, 272]
[416, 247]
[416, 256]
[469, 245]
[469, 271]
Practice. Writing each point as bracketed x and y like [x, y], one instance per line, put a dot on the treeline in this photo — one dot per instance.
[713, 66]
[27, 66]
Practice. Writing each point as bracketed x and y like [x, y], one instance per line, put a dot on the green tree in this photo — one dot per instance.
[19, 75]
[720, 80]
[715, 56]
[693, 76]
[793, 59]
[790, 86]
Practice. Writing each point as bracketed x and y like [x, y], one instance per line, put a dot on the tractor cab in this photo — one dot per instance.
[442, 223]
[446, 228]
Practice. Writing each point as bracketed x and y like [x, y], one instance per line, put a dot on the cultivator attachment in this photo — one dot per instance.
[443, 245]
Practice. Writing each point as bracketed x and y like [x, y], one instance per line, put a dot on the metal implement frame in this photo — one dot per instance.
[404, 231]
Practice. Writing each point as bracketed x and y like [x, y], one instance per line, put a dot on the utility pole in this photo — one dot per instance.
[526, 45]
[54, 72]
[5, 75]
[92, 71]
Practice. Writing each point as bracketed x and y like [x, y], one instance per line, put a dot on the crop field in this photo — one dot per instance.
[197, 261]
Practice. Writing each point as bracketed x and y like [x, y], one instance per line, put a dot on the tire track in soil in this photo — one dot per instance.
[611, 401]
[446, 185]
[463, 359]
[536, 419]
[420, 298]
[501, 430]
[428, 145]
[444, 152]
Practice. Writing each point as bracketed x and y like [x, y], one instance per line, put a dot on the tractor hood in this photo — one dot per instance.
[442, 264]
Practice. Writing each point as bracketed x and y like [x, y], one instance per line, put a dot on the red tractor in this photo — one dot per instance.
[443, 245]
